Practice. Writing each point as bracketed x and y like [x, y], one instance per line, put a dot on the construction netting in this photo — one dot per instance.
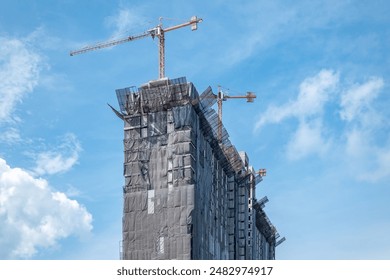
[185, 193]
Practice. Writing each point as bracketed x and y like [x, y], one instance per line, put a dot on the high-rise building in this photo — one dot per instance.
[188, 193]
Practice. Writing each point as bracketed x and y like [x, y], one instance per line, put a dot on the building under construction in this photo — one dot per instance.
[188, 193]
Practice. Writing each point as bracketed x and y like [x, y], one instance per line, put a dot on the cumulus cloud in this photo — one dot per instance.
[356, 102]
[307, 139]
[357, 110]
[359, 135]
[307, 107]
[314, 93]
[33, 215]
[61, 159]
[366, 158]
[19, 74]
[365, 124]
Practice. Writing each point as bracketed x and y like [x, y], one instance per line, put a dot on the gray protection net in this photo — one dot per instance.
[186, 193]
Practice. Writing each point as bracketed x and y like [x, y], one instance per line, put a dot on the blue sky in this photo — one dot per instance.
[319, 125]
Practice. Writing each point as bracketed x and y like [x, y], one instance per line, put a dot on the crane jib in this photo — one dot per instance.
[157, 31]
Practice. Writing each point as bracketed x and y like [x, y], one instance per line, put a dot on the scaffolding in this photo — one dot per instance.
[188, 192]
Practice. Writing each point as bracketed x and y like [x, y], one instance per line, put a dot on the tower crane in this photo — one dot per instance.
[157, 31]
[221, 96]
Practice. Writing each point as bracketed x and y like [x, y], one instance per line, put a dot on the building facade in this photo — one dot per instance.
[188, 193]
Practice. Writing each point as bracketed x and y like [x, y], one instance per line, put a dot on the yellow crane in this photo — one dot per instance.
[157, 31]
[221, 96]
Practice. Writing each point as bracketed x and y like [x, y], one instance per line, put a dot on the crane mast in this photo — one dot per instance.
[221, 96]
[157, 31]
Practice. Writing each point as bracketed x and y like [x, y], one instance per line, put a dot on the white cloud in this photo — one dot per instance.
[357, 100]
[366, 158]
[307, 139]
[365, 123]
[10, 136]
[314, 92]
[308, 107]
[124, 21]
[61, 159]
[382, 166]
[357, 136]
[33, 216]
[19, 74]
